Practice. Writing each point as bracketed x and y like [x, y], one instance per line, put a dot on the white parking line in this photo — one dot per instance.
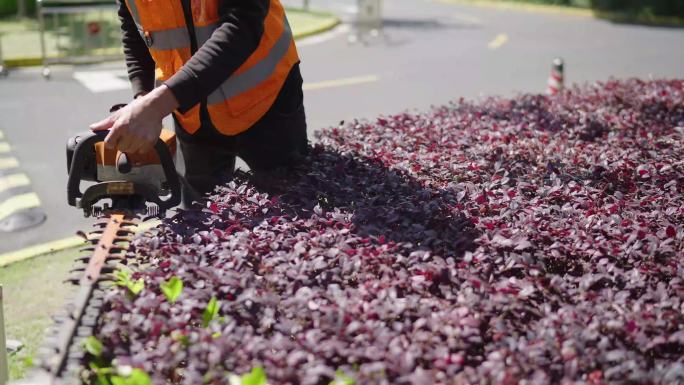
[340, 82]
[102, 81]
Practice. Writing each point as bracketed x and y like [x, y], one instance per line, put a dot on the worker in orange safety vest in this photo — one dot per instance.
[228, 71]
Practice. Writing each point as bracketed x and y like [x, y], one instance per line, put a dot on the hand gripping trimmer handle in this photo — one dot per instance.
[88, 141]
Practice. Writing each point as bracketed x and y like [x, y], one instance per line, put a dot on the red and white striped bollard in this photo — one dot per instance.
[556, 79]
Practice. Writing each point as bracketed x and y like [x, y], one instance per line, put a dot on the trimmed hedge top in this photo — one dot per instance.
[530, 238]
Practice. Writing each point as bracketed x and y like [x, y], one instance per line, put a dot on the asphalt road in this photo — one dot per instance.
[428, 53]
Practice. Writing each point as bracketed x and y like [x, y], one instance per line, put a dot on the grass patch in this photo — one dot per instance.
[34, 291]
[20, 38]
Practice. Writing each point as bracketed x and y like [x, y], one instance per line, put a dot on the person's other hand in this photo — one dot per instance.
[135, 128]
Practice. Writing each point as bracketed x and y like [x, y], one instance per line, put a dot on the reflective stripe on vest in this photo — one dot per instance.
[133, 8]
[237, 84]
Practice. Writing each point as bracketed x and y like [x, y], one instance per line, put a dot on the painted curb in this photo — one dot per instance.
[526, 7]
[38, 250]
[11, 257]
[323, 27]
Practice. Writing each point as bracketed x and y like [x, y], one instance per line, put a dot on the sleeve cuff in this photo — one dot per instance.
[141, 85]
[185, 88]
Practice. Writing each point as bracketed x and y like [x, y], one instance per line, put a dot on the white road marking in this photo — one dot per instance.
[18, 203]
[2, 136]
[7, 163]
[102, 81]
[5, 147]
[323, 37]
[340, 82]
[498, 41]
[12, 181]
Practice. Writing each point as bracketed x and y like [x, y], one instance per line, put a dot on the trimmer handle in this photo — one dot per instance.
[88, 141]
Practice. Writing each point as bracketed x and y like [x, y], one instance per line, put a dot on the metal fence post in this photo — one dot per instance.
[4, 369]
[3, 69]
[21, 8]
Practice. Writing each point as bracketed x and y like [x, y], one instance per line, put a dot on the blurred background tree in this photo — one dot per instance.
[17, 7]
[642, 7]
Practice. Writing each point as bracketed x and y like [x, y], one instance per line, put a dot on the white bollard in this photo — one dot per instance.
[4, 369]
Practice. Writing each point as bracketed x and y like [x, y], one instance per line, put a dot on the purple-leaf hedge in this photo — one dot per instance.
[529, 240]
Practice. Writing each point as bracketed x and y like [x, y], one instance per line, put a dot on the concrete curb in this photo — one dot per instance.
[11, 257]
[23, 62]
[324, 27]
[526, 7]
[33, 61]
[662, 21]
[38, 250]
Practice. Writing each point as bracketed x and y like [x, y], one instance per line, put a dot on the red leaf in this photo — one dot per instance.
[631, 326]
[214, 208]
[671, 232]
[595, 377]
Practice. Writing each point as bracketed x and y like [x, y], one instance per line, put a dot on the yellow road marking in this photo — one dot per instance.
[5, 147]
[340, 82]
[18, 202]
[6, 163]
[12, 181]
[58, 245]
[498, 41]
[42, 249]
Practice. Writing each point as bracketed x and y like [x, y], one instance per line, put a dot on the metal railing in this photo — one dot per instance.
[4, 369]
[80, 26]
[3, 69]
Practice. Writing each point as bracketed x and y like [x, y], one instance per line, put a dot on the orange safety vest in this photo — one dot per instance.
[250, 91]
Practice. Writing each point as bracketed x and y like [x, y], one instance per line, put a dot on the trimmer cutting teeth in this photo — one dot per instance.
[125, 189]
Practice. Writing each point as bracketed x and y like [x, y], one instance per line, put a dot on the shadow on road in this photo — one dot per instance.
[426, 24]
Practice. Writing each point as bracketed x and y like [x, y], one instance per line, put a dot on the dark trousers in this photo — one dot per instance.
[276, 142]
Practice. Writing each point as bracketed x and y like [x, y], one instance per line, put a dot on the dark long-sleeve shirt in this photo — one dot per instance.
[233, 42]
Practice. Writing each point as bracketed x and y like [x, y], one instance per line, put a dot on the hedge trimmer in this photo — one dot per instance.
[125, 190]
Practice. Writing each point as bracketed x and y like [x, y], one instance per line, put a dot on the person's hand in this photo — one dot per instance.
[136, 127]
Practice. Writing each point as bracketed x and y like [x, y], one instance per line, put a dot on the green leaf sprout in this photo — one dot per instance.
[172, 289]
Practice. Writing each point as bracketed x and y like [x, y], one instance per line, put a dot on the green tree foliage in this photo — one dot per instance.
[639, 8]
[642, 7]
[10, 7]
